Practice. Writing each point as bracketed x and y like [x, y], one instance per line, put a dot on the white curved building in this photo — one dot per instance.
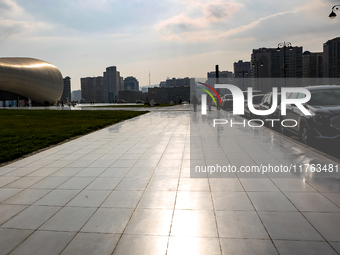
[30, 79]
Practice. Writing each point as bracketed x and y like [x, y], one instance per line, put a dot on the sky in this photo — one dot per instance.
[169, 38]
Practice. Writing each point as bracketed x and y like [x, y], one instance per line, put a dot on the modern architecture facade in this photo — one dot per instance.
[131, 83]
[331, 57]
[25, 80]
[175, 82]
[312, 64]
[131, 96]
[104, 88]
[76, 95]
[270, 63]
[167, 94]
[66, 96]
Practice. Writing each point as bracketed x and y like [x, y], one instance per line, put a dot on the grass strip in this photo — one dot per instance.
[25, 131]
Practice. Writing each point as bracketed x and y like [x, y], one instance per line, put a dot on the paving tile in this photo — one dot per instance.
[69, 219]
[240, 224]
[132, 184]
[122, 199]
[49, 182]
[247, 246]
[7, 193]
[163, 183]
[115, 172]
[292, 184]
[27, 197]
[334, 197]
[225, 184]
[193, 200]
[8, 211]
[11, 238]
[44, 171]
[289, 226]
[57, 197]
[44, 242]
[336, 246]
[231, 201]
[91, 243]
[104, 183]
[91, 172]
[32, 217]
[190, 184]
[149, 222]
[90, 198]
[193, 245]
[328, 224]
[258, 184]
[22, 183]
[312, 202]
[271, 201]
[140, 172]
[141, 245]
[193, 223]
[158, 199]
[304, 248]
[67, 171]
[77, 183]
[108, 220]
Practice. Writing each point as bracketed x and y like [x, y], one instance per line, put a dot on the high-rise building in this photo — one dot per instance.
[270, 62]
[331, 58]
[242, 69]
[312, 66]
[112, 80]
[66, 96]
[76, 95]
[179, 82]
[222, 74]
[92, 89]
[131, 83]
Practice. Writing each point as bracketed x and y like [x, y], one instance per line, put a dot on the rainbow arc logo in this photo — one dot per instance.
[208, 92]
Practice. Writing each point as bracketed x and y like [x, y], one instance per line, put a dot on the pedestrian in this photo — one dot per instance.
[194, 102]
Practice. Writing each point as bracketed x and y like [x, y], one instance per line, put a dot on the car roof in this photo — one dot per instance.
[320, 87]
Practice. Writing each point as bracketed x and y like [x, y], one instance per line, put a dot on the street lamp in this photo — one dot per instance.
[335, 8]
[283, 46]
[257, 71]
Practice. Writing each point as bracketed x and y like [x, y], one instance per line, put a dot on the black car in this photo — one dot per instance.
[324, 123]
[266, 104]
[257, 99]
[228, 102]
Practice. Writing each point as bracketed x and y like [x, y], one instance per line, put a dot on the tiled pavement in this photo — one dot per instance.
[127, 189]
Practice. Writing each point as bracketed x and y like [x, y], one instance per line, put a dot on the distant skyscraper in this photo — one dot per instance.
[131, 83]
[66, 96]
[269, 63]
[242, 69]
[331, 58]
[92, 89]
[76, 95]
[312, 66]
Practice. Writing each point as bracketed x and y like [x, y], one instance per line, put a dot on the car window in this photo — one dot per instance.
[257, 99]
[325, 97]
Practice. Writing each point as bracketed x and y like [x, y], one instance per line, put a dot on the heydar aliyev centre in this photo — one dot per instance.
[28, 79]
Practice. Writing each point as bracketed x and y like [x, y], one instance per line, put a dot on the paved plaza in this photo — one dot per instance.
[126, 189]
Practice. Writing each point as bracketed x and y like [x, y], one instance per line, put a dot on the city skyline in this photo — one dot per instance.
[169, 38]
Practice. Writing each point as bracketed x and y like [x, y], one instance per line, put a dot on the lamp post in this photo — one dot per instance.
[284, 46]
[332, 15]
[257, 70]
[243, 72]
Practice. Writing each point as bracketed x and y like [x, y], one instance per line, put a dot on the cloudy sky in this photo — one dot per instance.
[171, 38]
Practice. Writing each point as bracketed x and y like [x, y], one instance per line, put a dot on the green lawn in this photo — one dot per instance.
[25, 131]
[132, 105]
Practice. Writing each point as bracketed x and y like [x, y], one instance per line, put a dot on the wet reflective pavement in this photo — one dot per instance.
[126, 189]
